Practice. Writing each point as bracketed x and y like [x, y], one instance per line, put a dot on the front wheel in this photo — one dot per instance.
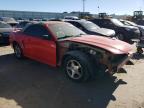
[18, 51]
[77, 67]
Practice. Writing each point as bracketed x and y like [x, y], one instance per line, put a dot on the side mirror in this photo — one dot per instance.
[47, 37]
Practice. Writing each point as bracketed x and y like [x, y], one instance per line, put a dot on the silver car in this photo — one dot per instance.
[5, 30]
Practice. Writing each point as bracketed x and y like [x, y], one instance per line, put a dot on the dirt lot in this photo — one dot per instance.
[29, 84]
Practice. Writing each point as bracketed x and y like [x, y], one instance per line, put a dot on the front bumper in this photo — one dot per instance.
[114, 62]
[114, 67]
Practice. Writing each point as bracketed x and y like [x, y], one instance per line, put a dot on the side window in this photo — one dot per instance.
[108, 22]
[37, 31]
[73, 23]
[29, 30]
[77, 25]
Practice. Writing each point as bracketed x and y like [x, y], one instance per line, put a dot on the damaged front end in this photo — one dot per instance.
[115, 62]
[101, 59]
[108, 61]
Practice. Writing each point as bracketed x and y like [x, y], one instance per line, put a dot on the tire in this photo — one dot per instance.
[18, 51]
[120, 36]
[77, 66]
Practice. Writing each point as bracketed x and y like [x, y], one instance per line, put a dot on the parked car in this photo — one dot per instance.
[22, 24]
[140, 22]
[9, 20]
[56, 19]
[91, 28]
[123, 32]
[61, 44]
[71, 17]
[129, 23]
[5, 30]
[140, 42]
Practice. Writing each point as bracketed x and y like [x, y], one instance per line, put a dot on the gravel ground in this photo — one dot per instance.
[29, 84]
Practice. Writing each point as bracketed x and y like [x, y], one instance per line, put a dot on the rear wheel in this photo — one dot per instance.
[18, 51]
[77, 66]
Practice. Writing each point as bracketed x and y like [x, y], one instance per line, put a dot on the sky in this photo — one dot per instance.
[118, 7]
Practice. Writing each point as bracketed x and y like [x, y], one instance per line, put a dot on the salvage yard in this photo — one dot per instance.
[29, 84]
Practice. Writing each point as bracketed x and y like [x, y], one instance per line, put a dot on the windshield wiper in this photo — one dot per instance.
[79, 35]
[67, 36]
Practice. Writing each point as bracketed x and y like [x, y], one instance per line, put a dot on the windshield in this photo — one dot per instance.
[89, 25]
[125, 22]
[131, 23]
[71, 17]
[4, 25]
[117, 22]
[65, 30]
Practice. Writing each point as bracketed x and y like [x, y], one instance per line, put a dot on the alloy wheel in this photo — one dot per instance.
[74, 69]
[17, 51]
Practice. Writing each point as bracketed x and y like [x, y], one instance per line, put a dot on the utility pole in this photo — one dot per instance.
[83, 5]
[98, 6]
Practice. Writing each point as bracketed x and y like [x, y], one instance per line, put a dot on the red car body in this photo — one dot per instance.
[53, 51]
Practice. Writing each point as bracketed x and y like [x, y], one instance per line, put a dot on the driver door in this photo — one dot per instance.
[42, 45]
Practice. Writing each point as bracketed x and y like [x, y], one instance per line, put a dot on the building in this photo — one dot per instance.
[47, 15]
[29, 14]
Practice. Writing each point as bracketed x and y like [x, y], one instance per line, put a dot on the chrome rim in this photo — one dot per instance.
[17, 51]
[74, 69]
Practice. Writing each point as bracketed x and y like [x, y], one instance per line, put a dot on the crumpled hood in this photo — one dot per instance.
[104, 31]
[112, 45]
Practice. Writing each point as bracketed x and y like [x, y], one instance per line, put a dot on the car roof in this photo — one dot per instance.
[53, 22]
[3, 22]
[82, 20]
[48, 22]
[103, 18]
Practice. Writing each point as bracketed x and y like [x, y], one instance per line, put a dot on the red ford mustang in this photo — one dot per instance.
[61, 44]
